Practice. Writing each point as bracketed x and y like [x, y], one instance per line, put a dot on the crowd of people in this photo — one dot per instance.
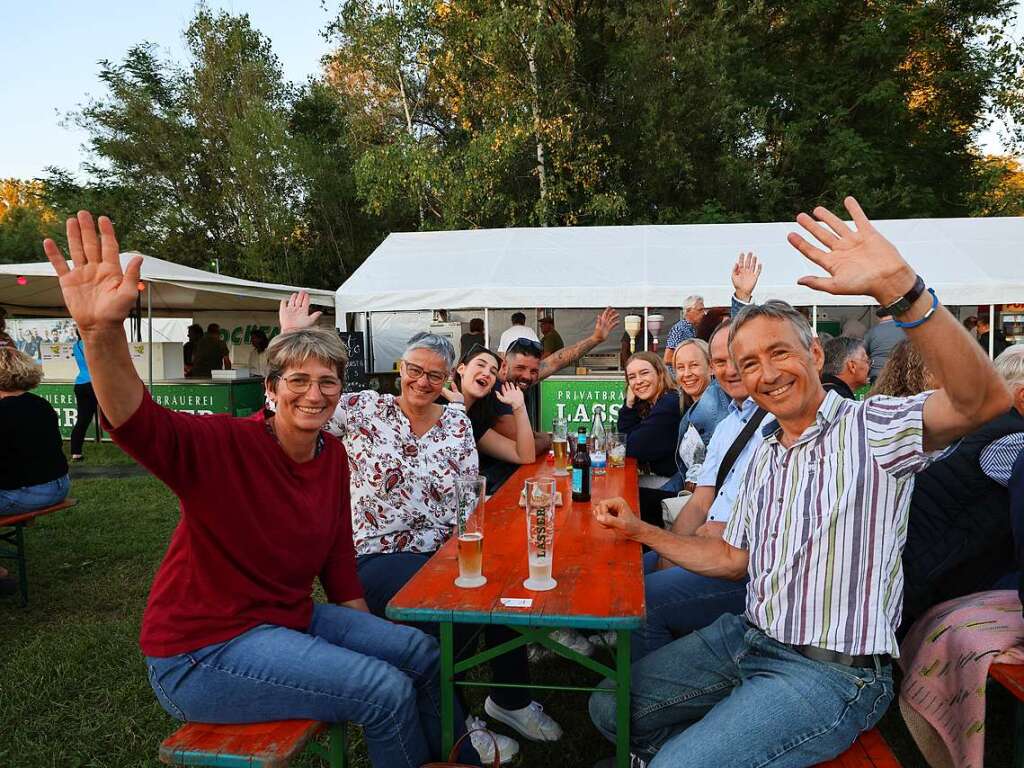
[794, 534]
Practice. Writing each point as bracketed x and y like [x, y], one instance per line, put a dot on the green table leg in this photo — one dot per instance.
[337, 746]
[1018, 736]
[622, 680]
[19, 542]
[447, 688]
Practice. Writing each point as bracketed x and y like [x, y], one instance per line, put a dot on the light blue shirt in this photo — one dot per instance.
[725, 435]
[83, 376]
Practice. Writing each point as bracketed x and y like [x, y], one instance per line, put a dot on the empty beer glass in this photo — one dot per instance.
[470, 499]
[540, 533]
[560, 446]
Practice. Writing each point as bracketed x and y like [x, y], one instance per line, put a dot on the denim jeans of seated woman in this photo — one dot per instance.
[680, 602]
[349, 666]
[729, 695]
[383, 575]
[21, 500]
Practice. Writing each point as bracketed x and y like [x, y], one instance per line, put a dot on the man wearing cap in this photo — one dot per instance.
[550, 338]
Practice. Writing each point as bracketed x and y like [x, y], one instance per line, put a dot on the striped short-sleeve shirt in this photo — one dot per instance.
[825, 521]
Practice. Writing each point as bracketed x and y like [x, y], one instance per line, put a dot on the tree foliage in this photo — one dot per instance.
[25, 219]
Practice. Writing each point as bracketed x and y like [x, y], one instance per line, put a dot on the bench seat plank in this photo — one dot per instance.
[248, 745]
[29, 516]
[868, 751]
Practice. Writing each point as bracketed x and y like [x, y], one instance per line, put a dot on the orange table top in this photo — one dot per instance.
[600, 575]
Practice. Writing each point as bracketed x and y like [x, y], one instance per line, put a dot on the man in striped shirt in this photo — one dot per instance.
[818, 527]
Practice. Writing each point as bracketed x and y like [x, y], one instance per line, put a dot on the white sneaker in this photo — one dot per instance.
[609, 639]
[531, 721]
[507, 747]
[570, 638]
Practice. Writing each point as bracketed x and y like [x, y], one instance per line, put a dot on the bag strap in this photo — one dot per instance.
[455, 747]
[737, 446]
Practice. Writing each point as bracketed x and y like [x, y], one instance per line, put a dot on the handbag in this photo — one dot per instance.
[455, 752]
[672, 506]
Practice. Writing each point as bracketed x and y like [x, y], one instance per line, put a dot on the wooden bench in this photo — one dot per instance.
[868, 751]
[15, 536]
[1011, 677]
[253, 745]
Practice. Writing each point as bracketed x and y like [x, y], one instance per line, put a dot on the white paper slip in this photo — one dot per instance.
[517, 602]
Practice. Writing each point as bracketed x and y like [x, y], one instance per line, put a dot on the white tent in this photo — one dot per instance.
[966, 261]
[172, 290]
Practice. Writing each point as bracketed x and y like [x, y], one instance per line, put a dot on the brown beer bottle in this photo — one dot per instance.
[581, 468]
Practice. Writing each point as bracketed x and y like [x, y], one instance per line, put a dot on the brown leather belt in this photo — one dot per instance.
[814, 653]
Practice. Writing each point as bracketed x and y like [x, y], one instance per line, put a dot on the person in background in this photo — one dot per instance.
[85, 400]
[854, 329]
[971, 324]
[5, 339]
[686, 328]
[649, 418]
[550, 338]
[231, 633]
[880, 341]
[846, 366]
[475, 335]
[211, 354]
[710, 321]
[188, 351]
[33, 470]
[518, 330]
[904, 374]
[984, 329]
[256, 360]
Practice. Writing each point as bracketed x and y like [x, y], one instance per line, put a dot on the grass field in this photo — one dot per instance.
[73, 691]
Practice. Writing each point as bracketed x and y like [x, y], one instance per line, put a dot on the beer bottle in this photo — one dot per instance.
[581, 468]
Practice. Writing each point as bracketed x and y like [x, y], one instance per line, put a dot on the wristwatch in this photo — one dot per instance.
[904, 302]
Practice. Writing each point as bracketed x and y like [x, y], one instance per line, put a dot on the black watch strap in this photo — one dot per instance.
[904, 302]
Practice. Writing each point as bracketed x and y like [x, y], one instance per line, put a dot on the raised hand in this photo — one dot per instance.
[97, 292]
[510, 395]
[451, 394]
[604, 324]
[294, 313]
[860, 261]
[745, 273]
[616, 514]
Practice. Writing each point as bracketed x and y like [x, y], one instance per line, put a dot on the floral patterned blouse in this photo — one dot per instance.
[402, 486]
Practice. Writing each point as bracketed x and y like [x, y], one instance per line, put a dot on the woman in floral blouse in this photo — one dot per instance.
[404, 456]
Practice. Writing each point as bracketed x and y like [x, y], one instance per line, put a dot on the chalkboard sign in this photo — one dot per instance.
[355, 371]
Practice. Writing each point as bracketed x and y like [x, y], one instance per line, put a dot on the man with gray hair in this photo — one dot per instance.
[817, 526]
[846, 366]
[686, 328]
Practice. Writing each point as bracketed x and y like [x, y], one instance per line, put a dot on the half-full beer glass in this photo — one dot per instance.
[560, 446]
[616, 442]
[540, 533]
[470, 499]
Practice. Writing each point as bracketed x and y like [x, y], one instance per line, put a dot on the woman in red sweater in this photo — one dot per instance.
[230, 632]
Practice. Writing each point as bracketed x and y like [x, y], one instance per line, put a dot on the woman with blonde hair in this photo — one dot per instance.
[650, 420]
[904, 373]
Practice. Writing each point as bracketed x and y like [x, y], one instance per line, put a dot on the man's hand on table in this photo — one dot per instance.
[617, 515]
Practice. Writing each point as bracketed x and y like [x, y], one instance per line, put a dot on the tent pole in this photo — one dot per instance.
[149, 332]
[814, 318]
[644, 326]
[991, 331]
[487, 328]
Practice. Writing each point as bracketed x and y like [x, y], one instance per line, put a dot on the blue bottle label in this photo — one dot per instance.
[577, 480]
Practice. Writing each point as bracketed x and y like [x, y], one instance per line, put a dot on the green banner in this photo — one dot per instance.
[241, 399]
[577, 400]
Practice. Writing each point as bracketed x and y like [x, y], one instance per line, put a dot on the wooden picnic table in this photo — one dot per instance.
[600, 587]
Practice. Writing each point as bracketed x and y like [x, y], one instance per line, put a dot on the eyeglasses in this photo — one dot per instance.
[300, 384]
[528, 344]
[414, 372]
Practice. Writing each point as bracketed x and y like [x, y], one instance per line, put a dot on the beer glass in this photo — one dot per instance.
[470, 498]
[616, 442]
[560, 445]
[540, 533]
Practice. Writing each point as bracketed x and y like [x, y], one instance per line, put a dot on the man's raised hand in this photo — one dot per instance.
[294, 314]
[604, 324]
[97, 292]
[860, 261]
[745, 273]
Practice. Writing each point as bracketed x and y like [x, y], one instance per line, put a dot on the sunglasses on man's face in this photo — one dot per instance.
[526, 344]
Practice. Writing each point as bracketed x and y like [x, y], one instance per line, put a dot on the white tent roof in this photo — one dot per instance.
[966, 261]
[176, 289]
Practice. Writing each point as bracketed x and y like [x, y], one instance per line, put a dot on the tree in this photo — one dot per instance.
[25, 219]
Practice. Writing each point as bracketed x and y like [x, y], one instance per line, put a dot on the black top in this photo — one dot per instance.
[31, 451]
[833, 383]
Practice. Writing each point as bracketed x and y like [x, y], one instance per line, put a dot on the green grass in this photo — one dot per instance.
[102, 454]
[73, 690]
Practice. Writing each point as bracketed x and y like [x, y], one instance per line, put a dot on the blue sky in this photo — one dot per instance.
[49, 51]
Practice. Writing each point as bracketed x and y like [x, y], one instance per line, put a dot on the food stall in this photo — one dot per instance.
[571, 272]
[168, 290]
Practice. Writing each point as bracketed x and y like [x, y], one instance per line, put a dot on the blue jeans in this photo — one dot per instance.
[383, 575]
[349, 666]
[21, 500]
[679, 602]
[729, 695]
